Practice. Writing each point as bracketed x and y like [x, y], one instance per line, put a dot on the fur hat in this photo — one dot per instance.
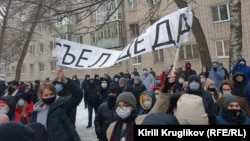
[15, 131]
[127, 97]
[209, 82]
[191, 111]
[3, 118]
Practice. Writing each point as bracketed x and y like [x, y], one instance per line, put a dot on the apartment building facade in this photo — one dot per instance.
[128, 22]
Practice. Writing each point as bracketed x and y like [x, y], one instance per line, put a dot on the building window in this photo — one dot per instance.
[188, 52]
[137, 59]
[79, 39]
[132, 4]
[41, 47]
[51, 45]
[93, 38]
[159, 55]
[23, 69]
[53, 65]
[153, 1]
[32, 49]
[134, 30]
[220, 13]
[32, 69]
[41, 67]
[222, 48]
[78, 18]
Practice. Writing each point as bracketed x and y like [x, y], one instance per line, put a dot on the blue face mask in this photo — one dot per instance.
[158, 81]
[58, 88]
[3, 111]
[20, 102]
[194, 86]
[147, 104]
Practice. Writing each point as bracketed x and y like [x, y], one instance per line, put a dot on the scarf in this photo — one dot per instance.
[128, 133]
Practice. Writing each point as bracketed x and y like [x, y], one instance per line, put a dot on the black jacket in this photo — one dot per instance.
[59, 125]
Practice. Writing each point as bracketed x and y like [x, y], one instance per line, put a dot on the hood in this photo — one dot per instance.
[241, 59]
[239, 73]
[150, 94]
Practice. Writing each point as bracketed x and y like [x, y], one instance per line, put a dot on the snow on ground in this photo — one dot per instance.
[86, 134]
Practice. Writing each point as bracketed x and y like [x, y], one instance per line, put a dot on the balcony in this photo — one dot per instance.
[67, 28]
[110, 43]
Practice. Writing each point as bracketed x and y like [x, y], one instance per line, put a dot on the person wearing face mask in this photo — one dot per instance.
[103, 91]
[8, 106]
[147, 79]
[188, 71]
[210, 88]
[178, 86]
[158, 83]
[146, 102]
[227, 88]
[106, 114]
[30, 88]
[61, 91]
[203, 79]
[123, 128]
[53, 111]
[85, 82]
[138, 87]
[216, 74]
[115, 80]
[194, 87]
[24, 108]
[76, 79]
[231, 113]
[241, 66]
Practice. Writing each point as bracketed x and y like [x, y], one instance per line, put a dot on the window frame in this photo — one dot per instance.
[184, 51]
[219, 13]
[137, 60]
[223, 48]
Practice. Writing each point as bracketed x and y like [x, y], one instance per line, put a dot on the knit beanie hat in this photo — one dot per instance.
[26, 96]
[113, 89]
[122, 80]
[229, 99]
[191, 111]
[16, 131]
[194, 78]
[3, 118]
[160, 119]
[209, 82]
[127, 97]
[40, 132]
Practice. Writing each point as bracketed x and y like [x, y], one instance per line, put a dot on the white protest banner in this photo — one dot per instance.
[163, 34]
[75, 55]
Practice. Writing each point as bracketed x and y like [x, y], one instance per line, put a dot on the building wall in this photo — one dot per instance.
[202, 10]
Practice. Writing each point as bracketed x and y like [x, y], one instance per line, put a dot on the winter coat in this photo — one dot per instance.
[161, 106]
[59, 125]
[105, 115]
[242, 68]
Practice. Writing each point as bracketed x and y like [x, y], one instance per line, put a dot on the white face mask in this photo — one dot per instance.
[123, 112]
[104, 85]
[147, 104]
[226, 92]
[203, 80]
[181, 81]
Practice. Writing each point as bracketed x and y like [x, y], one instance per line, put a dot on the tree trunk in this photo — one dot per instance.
[199, 37]
[235, 51]
[3, 28]
[27, 41]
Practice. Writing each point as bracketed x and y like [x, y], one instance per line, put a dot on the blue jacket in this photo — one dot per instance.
[242, 68]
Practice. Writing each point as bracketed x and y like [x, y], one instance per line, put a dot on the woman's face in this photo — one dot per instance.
[47, 94]
[226, 88]
[4, 106]
[234, 105]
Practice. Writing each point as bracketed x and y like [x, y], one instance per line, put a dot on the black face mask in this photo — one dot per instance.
[49, 101]
[11, 90]
[212, 89]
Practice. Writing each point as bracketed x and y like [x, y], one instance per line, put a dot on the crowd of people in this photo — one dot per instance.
[180, 96]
